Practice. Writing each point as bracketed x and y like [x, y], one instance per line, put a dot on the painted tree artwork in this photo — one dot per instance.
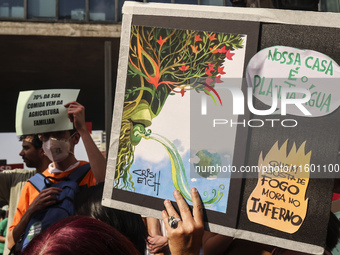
[165, 66]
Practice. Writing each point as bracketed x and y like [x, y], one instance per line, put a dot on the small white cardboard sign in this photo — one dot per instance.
[41, 111]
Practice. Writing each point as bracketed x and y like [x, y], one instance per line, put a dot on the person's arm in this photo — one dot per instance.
[156, 241]
[335, 206]
[186, 238]
[76, 113]
[214, 244]
[45, 198]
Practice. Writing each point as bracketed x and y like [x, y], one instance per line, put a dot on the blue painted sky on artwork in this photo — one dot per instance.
[145, 181]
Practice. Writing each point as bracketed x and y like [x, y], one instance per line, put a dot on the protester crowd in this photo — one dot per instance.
[96, 229]
[93, 228]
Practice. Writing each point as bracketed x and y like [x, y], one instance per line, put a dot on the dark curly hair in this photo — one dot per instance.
[37, 143]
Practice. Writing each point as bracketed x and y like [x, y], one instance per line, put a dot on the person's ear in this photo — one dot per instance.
[76, 138]
[41, 152]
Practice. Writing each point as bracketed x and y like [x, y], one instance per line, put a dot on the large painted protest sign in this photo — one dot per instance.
[206, 98]
[168, 70]
[41, 111]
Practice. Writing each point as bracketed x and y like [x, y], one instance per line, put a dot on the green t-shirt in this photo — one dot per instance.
[3, 232]
[336, 250]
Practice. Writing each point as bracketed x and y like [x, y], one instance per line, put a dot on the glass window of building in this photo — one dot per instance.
[72, 10]
[213, 2]
[101, 10]
[120, 14]
[41, 9]
[186, 1]
[158, 1]
[12, 8]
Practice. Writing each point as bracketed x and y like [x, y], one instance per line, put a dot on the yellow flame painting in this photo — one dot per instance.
[279, 198]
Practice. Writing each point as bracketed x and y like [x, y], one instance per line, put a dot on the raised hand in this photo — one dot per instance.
[186, 238]
[76, 114]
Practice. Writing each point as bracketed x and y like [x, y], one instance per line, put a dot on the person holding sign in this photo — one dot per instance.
[59, 147]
